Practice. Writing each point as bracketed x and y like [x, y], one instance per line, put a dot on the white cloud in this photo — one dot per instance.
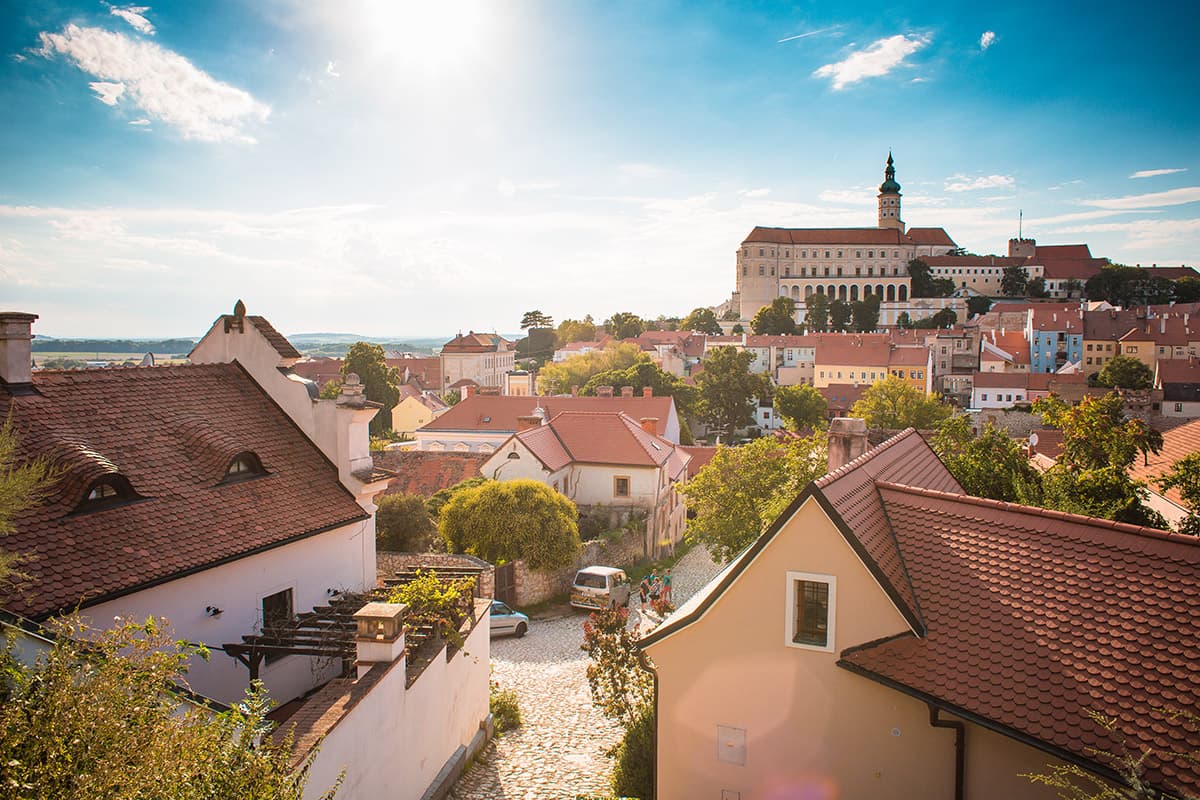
[140, 122]
[107, 93]
[163, 84]
[135, 16]
[879, 58]
[331, 70]
[965, 183]
[508, 188]
[987, 40]
[1154, 173]
[852, 197]
[641, 170]
[754, 192]
[1174, 197]
[1146, 233]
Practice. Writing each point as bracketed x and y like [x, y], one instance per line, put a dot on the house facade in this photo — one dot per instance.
[480, 357]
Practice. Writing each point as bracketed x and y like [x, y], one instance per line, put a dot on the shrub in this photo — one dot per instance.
[661, 606]
[505, 521]
[432, 601]
[402, 524]
[503, 705]
[633, 772]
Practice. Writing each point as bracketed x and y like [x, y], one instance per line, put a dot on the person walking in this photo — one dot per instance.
[644, 589]
[666, 581]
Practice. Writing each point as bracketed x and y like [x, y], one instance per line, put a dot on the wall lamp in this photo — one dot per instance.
[213, 611]
[333, 592]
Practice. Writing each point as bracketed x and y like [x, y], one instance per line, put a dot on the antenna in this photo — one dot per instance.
[1020, 223]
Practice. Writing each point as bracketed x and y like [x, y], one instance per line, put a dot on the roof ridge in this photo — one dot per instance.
[853, 464]
[1001, 505]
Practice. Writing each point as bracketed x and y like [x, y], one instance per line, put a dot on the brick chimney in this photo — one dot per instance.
[604, 391]
[379, 634]
[626, 391]
[648, 391]
[352, 394]
[649, 424]
[847, 440]
[16, 358]
[528, 421]
[466, 391]
[575, 390]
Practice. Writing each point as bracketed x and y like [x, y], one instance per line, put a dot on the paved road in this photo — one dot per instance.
[559, 750]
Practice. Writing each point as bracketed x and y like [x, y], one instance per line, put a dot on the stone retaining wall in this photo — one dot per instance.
[537, 586]
[387, 564]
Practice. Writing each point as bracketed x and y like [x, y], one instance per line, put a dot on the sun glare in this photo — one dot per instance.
[431, 37]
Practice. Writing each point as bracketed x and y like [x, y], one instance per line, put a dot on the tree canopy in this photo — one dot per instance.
[778, 318]
[574, 330]
[646, 374]
[893, 404]
[800, 406]
[1125, 372]
[381, 383]
[991, 464]
[865, 313]
[403, 524]
[625, 325]
[923, 282]
[536, 319]
[577, 370]
[741, 491]
[99, 720]
[816, 313]
[501, 521]
[1184, 475]
[1014, 280]
[978, 305]
[1129, 286]
[727, 390]
[21, 486]
[840, 313]
[701, 320]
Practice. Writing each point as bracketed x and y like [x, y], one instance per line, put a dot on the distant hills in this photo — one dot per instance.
[316, 344]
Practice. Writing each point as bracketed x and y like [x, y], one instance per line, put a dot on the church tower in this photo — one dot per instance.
[889, 198]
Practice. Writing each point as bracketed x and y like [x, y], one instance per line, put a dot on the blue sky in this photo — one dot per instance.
[401, 168]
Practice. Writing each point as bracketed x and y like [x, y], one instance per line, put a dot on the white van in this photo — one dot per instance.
[600, 587]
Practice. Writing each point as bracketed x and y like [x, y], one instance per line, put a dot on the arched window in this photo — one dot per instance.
[842, 292]
[820, 289]
[854, 292]
[903, 293]
[795, 292]
[108, 491]
[891, 293]
[808, 292]
[879, 291]
[243, 466]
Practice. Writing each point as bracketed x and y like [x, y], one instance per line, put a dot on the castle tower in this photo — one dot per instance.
[889, 198]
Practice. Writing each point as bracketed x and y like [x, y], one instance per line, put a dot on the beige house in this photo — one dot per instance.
[415, 409]
[891, 637]
[480, 357]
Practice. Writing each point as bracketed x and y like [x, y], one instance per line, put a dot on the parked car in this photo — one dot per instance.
[600, 587]
[505, 620]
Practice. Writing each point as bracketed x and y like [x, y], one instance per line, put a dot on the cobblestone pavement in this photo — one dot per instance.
[559, 750]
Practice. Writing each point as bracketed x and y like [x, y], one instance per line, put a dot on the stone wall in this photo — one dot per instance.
[537, 586]
[387, 564]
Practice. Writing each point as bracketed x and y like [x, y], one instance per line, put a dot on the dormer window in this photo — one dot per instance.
[243, 466]
[106, 492]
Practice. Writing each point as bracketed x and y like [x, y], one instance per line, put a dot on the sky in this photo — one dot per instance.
[385, 167]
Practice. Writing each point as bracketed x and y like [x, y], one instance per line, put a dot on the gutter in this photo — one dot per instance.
[960, 747]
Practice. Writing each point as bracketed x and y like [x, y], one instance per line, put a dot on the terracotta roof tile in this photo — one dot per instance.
[477, 343]
[282, 346]
[426, 473]
[171, 431]
[593, 437]
[858, 349]
[499, 414]
[1177, 442]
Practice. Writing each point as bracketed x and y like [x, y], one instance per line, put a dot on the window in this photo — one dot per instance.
[811, 611]
[984, 396]
[1179, 408]
[760, 252]
[244, 465]
[106, 492]
[621, 486]
[276, 613]
[760, 270]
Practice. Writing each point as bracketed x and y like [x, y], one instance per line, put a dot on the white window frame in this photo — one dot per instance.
[789, 623]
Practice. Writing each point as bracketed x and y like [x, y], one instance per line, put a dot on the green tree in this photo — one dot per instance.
[1129, 286]
[573, 330]
[1074, 287]
[778, 318]
[816, 315]
[380, 382]
[536, 319]
[577, 370]
[1184, 475]
[839, 315]
[701, 320]
[501, 521]
[988, 465]
[1014, 281]
[892, 404]
[800, 406]
[741, 491]
[1125, 372]
[646, 374]
[94, 721]
[403, 524]
[737, 329]
[438, 500]
[22, 485]
[923, 282]
[978, 305]
[1187, 290]
[1036, 288]
[727, 390]
[625, 325]
[866, 313]
[904, 320]
[332, 389]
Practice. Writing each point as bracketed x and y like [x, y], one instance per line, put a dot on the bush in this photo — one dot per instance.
[503, 705]
[402, 524]
[633, 772]
[505, 521]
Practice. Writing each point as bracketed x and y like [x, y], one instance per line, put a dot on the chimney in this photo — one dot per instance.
[379, 634]
[528, 421]
[648, 391]
[466, 391]
[352, 393]
[847, 440]
[1162, 326]
[575, 390]
[16, 357]
[649, 425]
[626, 391]
[604, 391]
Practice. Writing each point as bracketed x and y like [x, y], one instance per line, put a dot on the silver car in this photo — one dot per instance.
[505, 620]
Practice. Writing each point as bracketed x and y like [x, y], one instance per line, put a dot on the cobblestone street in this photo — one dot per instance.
[559, 750]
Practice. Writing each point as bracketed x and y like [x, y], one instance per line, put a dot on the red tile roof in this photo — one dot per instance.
[841, 397]
[856, 349]
[1177, 442]
[477, 343]
[930, 236]
[700, 456]
[1035, 617]
[911, 356]
[426, 473]
[172, 432]
[1178, 370]
[592, 437]
[830, 236]
[1067, 251]
[319, 370]
[282, 346]
[499, 414]
[1049, 442]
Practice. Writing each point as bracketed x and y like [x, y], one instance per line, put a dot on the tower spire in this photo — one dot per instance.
[889, 197]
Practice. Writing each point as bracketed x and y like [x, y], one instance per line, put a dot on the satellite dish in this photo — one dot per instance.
[1033, 440]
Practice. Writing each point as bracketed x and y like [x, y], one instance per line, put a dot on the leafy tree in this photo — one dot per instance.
[1125, 372]
[866, 313]
[1014, 280]
[577, 370]
[978, 305]
[923, 282]
[892, 404]
[989, 465]
[536, 319]
[800, 406]
[438, 500]
[646, 374]
[1187, 290]
[663, 323]
[633, 759]
[1037, 288]
[1104, 492]
[380, 382]
[452, 397]
[1074, 287]
[778, 318]
[625, 325]
[403, 524]
[1129, 286]
[701, 320]
[332, 389]
[839, 315]
[904, 320]
[942, 319]
[1184, 475]
[504, 521]
[727, 390]
[816, 315]
[573, 330]
[22, 485]
[730, 315]
[99, 721]
[741, 491]
[737, 329]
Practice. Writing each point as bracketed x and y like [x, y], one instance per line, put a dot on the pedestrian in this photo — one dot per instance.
[644, 589]
[656, 586]
[666, 580]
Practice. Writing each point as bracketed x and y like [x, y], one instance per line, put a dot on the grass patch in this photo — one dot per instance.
[503, 705]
